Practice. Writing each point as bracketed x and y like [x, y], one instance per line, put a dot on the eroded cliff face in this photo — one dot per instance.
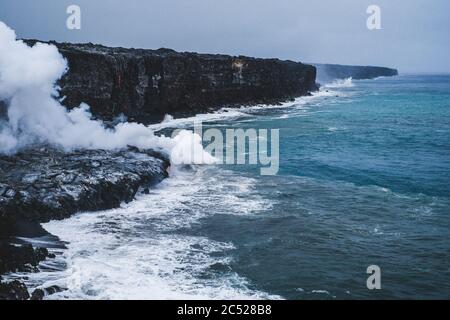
[145, 85]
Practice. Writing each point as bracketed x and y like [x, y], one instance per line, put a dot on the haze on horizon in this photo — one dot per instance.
[414, 35]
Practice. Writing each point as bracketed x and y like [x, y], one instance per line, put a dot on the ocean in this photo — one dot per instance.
[363, 180]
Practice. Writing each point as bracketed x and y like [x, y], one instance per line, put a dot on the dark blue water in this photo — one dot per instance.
[364, 179]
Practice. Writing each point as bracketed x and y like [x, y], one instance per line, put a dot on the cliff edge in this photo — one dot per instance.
[145, 85]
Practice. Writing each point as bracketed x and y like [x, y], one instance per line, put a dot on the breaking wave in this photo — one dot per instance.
[139, 251]
[340, 83]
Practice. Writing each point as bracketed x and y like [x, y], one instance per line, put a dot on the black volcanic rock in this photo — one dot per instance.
[3, 110]
[327, 72]
[39, 294]
[20, 258]
[42, 184]
[145, 85]
[45, 184]
[14, 290]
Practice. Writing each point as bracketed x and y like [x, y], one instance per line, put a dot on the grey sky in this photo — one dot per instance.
[414, 37]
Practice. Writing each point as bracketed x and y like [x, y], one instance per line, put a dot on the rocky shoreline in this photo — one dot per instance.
[42, 184]
[18, 258]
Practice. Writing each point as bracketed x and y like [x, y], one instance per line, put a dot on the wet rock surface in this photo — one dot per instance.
[20, 258]
[45, 184]
[14, 290]
[40, 294]
[42, 184]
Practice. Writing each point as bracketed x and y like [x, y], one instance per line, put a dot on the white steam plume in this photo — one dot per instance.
[27, 86]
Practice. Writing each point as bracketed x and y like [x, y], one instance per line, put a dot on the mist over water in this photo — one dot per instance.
[34, 115]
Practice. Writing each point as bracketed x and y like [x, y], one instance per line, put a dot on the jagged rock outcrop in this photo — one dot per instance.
[14, 290]
[45, 184]
[327, 72]
[39, 294]
[23, 258]
[145, 85]
[18, 258]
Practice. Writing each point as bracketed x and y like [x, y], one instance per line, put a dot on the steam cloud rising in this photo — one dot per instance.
[34, 115]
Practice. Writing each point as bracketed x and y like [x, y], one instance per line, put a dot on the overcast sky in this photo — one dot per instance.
[415, 34]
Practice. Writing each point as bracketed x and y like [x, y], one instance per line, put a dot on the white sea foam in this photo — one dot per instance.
[137, 251]
[222, 114]
[245, 113]
[334, 129]
[340, 83]
[320, 291]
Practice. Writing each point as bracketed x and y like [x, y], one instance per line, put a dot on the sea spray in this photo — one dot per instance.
[340, 83]
[28, 78]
